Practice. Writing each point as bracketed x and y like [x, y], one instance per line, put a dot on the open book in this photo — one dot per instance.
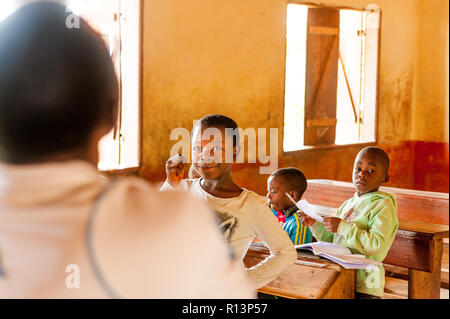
[339, 254]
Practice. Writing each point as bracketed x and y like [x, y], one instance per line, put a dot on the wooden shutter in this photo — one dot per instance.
[322, 48]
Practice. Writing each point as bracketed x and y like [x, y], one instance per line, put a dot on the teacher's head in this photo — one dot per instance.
[58, 88]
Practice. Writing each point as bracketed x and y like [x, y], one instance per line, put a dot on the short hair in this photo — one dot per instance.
[219, 120]
[293, 177]
[380, 154]
[57, 84]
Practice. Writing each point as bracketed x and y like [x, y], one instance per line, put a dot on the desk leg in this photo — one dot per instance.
[427, 285]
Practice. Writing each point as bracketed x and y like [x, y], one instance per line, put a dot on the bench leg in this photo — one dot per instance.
[427, 285]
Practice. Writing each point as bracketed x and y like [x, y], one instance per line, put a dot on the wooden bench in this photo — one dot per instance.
[423, 224]
[326, 280]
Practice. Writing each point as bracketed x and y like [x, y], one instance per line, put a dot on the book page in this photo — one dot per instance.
[349, 262]
[325, 247]
[339, 254]
[306, 208]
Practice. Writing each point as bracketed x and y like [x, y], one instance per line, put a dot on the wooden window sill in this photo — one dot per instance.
[121, 172]
[309, 149]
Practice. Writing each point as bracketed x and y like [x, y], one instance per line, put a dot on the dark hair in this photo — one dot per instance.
[380, 154]
[222, 121]
[57, 84]
[293, 177]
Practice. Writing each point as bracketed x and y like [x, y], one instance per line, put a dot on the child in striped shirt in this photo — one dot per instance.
[292, 181]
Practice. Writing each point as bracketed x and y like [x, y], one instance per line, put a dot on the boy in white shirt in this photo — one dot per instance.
[243, 214]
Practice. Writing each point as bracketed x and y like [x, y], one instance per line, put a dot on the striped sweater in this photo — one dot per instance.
[298, 233]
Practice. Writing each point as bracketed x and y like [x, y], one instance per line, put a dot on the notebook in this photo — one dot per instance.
[340, 255]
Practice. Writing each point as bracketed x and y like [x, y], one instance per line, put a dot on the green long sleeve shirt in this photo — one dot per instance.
[369, 230]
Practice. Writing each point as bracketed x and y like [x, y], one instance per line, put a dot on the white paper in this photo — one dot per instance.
[352, 263]
[325, 247]
[306, 208]
[340, 255]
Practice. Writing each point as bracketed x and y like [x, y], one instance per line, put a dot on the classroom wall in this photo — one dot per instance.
[205, 56]
[431, 103]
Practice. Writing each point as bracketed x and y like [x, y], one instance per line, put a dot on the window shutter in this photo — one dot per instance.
[322, 48]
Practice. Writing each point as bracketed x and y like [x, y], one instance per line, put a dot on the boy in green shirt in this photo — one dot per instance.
[366, 223]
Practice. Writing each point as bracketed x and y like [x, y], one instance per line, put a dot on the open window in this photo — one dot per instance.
[331, 76]
[118, 21]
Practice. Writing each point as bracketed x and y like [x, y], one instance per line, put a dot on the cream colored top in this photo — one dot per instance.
[145, 243]
[243, 219]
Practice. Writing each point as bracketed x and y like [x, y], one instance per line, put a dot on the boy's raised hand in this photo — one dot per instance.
[175, 168]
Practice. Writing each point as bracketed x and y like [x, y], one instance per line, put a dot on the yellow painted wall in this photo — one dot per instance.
[430, 112]
[216, 56]
[205, 56]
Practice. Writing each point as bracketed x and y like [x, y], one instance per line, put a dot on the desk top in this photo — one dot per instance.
[314, 279]
[437, 231]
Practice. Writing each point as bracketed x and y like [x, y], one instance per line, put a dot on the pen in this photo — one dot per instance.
[289, 196]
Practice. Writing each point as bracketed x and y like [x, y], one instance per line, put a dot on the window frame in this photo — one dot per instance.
[317, 148]
[134, 169]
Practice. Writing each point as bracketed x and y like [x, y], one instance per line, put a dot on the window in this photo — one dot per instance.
[331, 76]
[119, 23]
[6, 8]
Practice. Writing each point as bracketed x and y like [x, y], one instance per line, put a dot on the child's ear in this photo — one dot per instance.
[386, 179]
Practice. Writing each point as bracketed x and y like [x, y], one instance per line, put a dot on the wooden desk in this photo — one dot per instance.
[418, 246]
[306, 282]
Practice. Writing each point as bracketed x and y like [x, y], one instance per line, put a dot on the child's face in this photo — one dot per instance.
[276, 194]
[369, 173]
[208, 154]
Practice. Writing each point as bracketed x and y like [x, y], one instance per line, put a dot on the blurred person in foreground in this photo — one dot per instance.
[65, 231]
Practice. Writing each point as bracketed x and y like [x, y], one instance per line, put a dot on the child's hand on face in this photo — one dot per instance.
[331, 223]
[175, 168]
[306, 220]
